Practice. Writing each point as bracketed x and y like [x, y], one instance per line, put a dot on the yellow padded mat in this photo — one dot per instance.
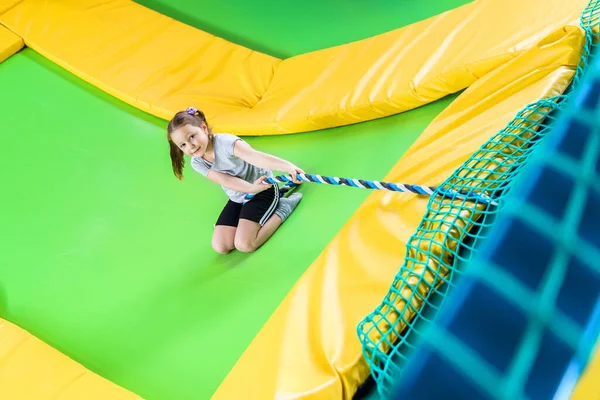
[309, 347]
[162, 66]
[32, 370]
[9, 43]
[142, 57]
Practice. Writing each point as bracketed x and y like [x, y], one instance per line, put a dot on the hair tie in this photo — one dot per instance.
[192, 110]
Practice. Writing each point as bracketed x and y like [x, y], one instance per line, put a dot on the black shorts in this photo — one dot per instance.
[259, 209]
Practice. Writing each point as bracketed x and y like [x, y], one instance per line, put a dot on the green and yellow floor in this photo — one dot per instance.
[106, 257]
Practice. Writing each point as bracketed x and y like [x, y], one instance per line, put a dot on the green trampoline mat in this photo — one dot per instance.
[107, 257]
[284, 28]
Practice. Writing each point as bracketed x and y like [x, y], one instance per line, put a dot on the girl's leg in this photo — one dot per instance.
[250, 235]
[223, 240]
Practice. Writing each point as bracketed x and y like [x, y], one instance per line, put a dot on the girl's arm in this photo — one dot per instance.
[237, 184]
[263, 160]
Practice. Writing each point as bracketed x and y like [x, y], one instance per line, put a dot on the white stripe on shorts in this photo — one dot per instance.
[271, 208]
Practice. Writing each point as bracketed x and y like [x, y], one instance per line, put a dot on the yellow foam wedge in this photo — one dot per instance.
[32, 370]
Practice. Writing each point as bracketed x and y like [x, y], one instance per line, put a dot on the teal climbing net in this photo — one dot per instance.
[452, 229]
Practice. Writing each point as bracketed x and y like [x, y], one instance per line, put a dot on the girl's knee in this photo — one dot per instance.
[245, 245]
[221, 247]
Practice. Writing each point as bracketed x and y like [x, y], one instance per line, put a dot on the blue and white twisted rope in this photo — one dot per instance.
[375, 185]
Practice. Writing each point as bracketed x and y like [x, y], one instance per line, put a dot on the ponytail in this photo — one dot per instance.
[177, 159]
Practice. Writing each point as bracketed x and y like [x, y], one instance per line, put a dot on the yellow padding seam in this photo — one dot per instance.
[9, 43]
[6, 5]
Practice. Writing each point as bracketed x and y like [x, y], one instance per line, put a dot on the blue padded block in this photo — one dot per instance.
[551, 192]
[574, 140]
[589, 228]
[580, 292]
[448, 383]
[548, 368]
[490, 325]
[524, 252]
[591, 99]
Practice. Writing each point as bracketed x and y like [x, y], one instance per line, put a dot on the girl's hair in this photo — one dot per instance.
[191, 116]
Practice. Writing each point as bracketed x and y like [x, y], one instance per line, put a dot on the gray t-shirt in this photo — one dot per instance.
[229, 163]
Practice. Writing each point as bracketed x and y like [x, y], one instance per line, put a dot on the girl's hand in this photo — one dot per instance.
[293, 171]
[259, 185]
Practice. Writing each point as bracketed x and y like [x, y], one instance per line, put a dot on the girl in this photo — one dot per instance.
[239, 169]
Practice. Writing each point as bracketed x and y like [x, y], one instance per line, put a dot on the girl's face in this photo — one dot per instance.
[192, 140]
